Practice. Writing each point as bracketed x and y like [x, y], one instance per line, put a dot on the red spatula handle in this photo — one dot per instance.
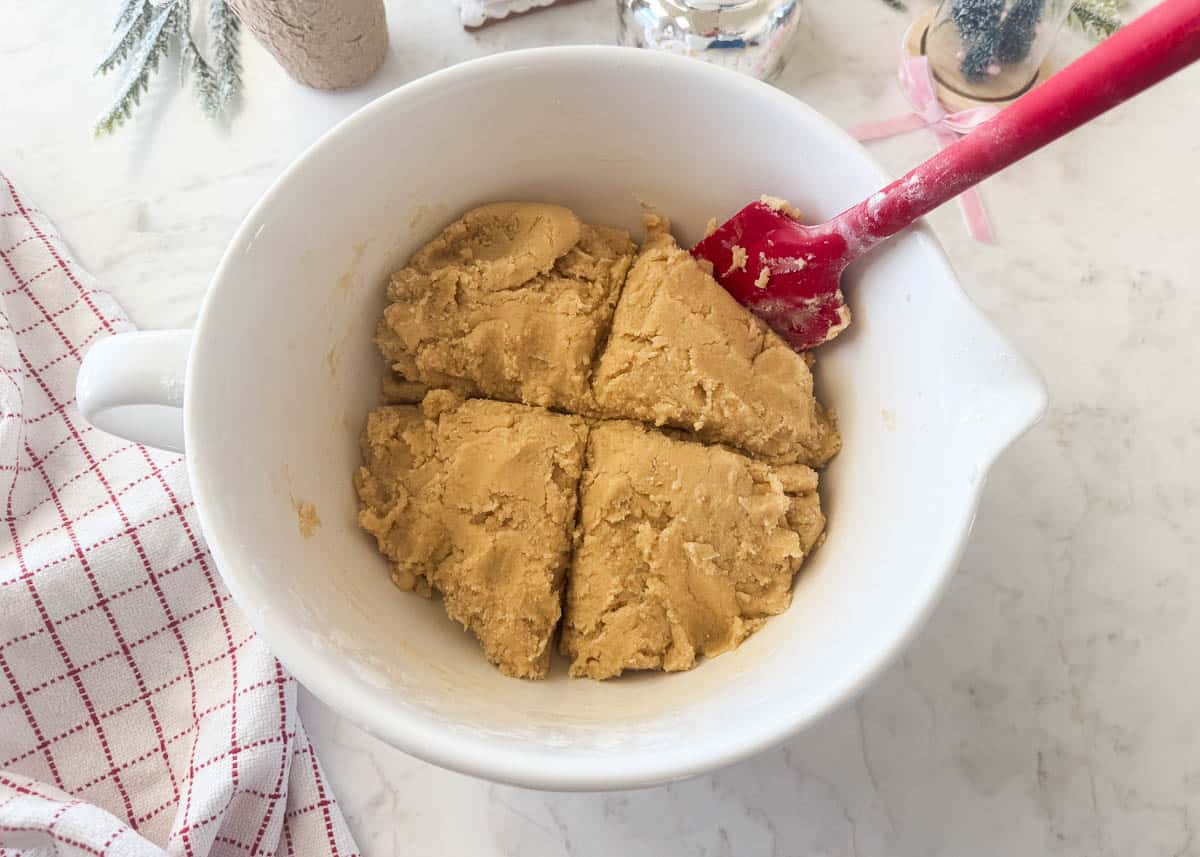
[1136, 57]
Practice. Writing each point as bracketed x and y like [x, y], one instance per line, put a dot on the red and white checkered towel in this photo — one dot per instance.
[139, 713]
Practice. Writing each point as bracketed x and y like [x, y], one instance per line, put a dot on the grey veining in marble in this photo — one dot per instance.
[1052, 704]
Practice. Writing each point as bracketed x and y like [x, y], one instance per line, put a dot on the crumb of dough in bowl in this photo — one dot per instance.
[307, 519]
[520, 339]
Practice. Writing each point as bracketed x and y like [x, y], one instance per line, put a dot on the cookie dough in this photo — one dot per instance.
[667, 500]
[477, 500]
[682, 352]
[511, 302]
[685, 550]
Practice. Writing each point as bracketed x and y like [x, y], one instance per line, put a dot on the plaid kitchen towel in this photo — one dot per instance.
[139, 713]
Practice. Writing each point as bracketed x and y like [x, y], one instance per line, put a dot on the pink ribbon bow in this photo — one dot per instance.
[916, 81]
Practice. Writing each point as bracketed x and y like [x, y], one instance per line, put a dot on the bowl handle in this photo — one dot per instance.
[131, 385]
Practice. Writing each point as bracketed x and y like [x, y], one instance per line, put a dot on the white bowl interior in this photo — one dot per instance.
[284, 372]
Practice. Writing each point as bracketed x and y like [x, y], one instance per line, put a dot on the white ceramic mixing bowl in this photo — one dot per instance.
[280, 372]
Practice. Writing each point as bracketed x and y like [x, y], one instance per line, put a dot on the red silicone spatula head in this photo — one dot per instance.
[786, 273]
[789, 274]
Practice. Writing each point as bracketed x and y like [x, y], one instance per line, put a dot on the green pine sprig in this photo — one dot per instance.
[1098, 19]
[128, 32]
[144, 33]
[224, 29]
[191, 61]
[129, 9]
[141, 58]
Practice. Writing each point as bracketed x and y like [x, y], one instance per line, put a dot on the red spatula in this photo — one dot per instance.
[789, 274]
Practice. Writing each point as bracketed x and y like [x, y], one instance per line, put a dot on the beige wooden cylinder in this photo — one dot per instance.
[325, 44]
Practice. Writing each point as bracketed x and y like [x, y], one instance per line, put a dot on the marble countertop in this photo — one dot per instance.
[1051, 706]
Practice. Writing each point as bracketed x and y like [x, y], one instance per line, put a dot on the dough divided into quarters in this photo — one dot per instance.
[663, 546]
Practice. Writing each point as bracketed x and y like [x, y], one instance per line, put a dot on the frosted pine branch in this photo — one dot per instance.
[1097, 18]
[154, 44]
[223, 30]
[203, 81]
[129, 8]
[144, 33]
[192, 62]
[127, 34]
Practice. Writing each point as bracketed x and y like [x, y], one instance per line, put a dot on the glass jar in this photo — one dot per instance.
[750, 36]
[991, 50]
